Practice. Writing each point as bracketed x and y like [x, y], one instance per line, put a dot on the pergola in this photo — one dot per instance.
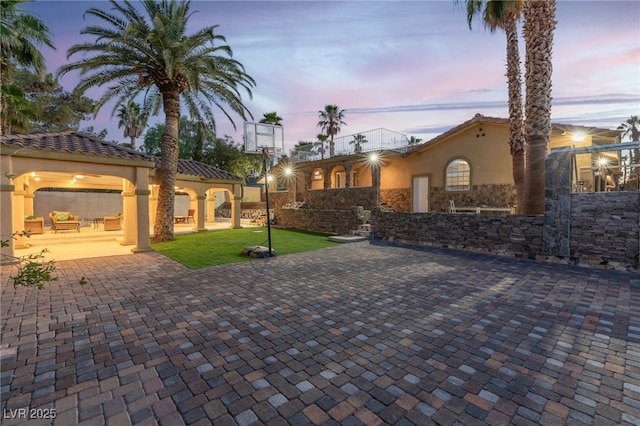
[56, 157]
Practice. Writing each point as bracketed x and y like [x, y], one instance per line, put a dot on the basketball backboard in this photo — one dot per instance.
[258, 136]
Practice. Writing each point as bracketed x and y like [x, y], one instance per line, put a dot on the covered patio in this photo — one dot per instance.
[71, 160]
[94, 242]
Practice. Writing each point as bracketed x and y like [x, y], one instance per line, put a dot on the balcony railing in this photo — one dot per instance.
[370, 140]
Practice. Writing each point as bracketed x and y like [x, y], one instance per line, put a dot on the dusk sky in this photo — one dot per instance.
[408, 66]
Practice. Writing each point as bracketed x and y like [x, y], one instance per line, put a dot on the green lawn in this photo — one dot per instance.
[204, 249]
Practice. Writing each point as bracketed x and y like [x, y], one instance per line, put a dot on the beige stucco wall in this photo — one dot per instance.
[484, 146]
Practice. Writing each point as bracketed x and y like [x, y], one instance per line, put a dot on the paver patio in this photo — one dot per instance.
[355, 334]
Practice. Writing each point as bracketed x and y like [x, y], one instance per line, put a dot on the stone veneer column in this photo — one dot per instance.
[556, 232]
[326, 172]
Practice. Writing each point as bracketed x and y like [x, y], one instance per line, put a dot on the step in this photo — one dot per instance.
[346, 238]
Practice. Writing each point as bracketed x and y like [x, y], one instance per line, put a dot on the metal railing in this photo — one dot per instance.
[370, 140]
[598, 168]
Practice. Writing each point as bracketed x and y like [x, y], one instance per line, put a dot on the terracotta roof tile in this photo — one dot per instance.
[80, 143]
[73, 142]
[204, 171]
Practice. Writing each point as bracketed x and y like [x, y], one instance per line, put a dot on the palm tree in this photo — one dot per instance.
[358, 141]
[21, 34]
[505, 15]
[320, 144]
[17, 110]
[413, 141]
[631, 128]
[330, 122]
[539, 25]
[271, 118]
[150, 52]
[133, 120]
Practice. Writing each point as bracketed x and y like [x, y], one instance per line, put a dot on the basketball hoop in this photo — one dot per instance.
[258, 136]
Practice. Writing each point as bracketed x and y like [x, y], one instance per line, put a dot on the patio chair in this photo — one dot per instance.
[64, 221]
[112, 223]
[190, 215]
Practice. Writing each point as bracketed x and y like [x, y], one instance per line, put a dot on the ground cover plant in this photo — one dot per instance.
[204, 249]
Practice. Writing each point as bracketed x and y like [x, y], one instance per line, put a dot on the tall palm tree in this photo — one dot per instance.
[330, 121]
[538, 28]
[271, 118]
[133, 120]
[21, 35]
[151, 52]
[505, 15]
[320, 144]
[358, 141]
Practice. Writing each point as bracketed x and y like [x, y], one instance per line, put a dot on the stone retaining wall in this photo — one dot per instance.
[338, 222]
[605, 229]
[341, 198]
[500, 234]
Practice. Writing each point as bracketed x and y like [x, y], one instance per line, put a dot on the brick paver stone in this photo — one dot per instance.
[362, 333]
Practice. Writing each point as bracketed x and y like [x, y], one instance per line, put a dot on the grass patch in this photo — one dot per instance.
[204, 249]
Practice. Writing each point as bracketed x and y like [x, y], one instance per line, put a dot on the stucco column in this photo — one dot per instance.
[28, 202]
[129, 214]
[211, 206]
[236, 207]
[18, 213]
[153, 204]
[6, 208]
[199, 214]
[142, 205]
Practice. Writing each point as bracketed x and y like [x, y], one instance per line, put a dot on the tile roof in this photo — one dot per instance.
[80, 143]
[73, 142]
[479, 118]
[204, 171]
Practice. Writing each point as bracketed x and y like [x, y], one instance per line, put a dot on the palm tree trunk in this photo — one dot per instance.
[332, 147]
[163, 227]
[539, 24]
[517, 140]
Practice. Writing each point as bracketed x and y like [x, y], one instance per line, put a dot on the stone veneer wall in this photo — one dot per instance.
[341, 198]
[597, 229]
[398, 199]
[248, 210]
[337, 222]
[500, 234]
[605, 229]
[478, 196]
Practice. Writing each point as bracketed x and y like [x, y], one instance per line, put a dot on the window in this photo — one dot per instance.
[458, 176]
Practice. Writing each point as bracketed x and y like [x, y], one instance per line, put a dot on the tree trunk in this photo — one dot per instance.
[539, 24]
[163, 227]
[517, 141]
[331, 147]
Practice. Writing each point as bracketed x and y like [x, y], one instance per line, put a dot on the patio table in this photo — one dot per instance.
[67, 225]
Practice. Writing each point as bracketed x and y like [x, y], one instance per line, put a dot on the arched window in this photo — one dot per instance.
[458, 176]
